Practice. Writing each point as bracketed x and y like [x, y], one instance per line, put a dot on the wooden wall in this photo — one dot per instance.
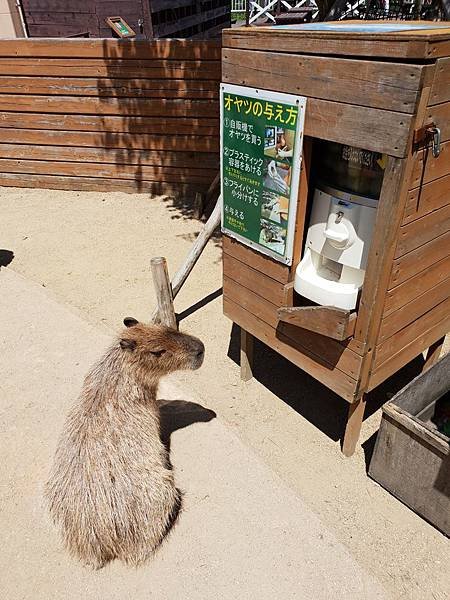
[151, 19]
[417, 306]
[109, 114]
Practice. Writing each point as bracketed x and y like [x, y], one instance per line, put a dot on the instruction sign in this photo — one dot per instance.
[261, 150]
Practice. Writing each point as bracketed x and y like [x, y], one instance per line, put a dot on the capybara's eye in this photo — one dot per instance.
[158, 353]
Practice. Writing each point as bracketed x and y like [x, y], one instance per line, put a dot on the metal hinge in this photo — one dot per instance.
[428, 134]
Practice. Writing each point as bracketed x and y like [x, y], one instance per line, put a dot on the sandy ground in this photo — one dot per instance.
[238, 530]
[92, 251]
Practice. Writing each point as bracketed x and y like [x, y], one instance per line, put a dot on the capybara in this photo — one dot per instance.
[111, 490]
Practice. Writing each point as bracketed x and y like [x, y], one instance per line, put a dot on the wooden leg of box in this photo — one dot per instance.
[433, 354]
[246, 355]
[353, 426]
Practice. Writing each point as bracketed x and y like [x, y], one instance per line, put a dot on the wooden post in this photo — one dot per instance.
[353, 426]
[194, 254]
[433, 353]
[198, 206]
[246, 355]
[163, 291]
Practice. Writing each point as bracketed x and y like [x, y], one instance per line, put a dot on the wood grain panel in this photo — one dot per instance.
[118, 156]
[418, 260]
[333, 352]
[440, 91]
[107, 139]
[256, 260]
[252, 279]
[111, 69]
[112, 49]
[414, 310]
[109, 106]
[421, 282]
[106, 110]
[377, 84]
[419, 232]
[134, 88]
[332, 377]
[335, 43]
[409, 334]
[408, 353]
[86, 184]
[111, 124]
[439, 114]
[427, 168]
[429, 197]
[108, 171]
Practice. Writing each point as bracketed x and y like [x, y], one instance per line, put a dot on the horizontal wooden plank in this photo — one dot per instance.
[107, 139]
[268, 288]
[109, 106]
[439, 114]
[423, 230]
[440, 91]
[111, 69]
[331, 351]
[418, 260]
[332, 377]
[417, 307]
[108, 171]
[408, 334]
[256, 260]
[111, 124]
[122, 156]
[429, 197]
[111, 48]
[427, 167]
[377, 84]
[118, 88]
[327, 321]
[94, 184]
[309, 42]
[369, 128]
[408, 353]
[421, 282]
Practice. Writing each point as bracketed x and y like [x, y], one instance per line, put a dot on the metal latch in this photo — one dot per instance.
[429, 133]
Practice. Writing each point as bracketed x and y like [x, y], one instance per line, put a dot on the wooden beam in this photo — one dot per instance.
[325, 320]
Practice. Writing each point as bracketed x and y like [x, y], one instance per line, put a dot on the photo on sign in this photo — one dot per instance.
[272, 236]
[277, 177]
[279, 143]
[275, 208]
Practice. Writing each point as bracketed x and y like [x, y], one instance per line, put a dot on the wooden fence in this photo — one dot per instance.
[109, 114]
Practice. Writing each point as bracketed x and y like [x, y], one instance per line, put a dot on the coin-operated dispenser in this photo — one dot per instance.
[342, 220]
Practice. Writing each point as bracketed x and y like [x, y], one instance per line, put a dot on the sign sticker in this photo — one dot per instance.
[261, 149]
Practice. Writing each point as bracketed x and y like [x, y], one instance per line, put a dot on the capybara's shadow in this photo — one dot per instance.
[6, 257]
[177, 414]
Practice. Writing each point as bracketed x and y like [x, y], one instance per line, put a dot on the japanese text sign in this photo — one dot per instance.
[261, 149]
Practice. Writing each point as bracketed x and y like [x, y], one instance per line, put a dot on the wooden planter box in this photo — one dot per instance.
[412, 458]
[376, 91]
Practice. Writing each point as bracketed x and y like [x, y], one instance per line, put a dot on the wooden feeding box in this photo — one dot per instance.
[384, 89]
[412, 452]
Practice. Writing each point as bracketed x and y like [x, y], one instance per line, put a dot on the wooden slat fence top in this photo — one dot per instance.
[423, 40]
[110, 48]
[361, 30]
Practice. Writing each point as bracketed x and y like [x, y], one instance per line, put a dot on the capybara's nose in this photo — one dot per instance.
[200, 351]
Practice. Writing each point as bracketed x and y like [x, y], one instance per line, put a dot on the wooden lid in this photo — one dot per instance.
[423, 40]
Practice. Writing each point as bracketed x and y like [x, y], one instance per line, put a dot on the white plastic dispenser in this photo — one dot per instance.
[332, 269]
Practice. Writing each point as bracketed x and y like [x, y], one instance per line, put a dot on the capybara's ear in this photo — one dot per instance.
[130, 322]
[126, 344]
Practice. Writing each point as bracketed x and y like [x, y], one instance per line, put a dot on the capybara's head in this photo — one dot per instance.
[160, 350]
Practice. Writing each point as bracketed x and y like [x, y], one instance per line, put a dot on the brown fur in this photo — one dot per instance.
[111, 490]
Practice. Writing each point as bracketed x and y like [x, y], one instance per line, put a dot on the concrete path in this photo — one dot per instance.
[242, 534]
